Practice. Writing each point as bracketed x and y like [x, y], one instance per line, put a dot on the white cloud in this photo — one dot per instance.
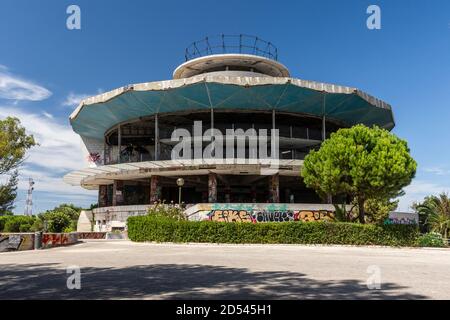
[48, 115]
[438, 171]
[59, 147]
[417, 191]
[74, 99]
[59, 152]
[15, 88]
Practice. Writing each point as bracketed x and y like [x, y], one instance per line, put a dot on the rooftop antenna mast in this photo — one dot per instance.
[29, 202]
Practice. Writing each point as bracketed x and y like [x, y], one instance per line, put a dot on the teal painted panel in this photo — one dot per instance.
[270, 94]
[220, 93]
[94, 120]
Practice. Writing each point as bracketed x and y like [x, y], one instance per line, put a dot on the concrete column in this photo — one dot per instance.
[156, 138]
[154, 190]
[227, 194]
[253, 193]
[212, 187]
[117, 199]
[114, 199]
[324, 111]
[102, 196]
[275, 188]
[119, 143]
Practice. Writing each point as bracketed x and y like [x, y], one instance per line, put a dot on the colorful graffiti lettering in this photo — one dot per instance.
[309, 215]
[230, 216]
[400, 221]
[269, 215]
[91, 235]
[274, 216]
[402, 218]
[58, 239]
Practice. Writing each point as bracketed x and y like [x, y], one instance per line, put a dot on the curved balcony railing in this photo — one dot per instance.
[221, 44]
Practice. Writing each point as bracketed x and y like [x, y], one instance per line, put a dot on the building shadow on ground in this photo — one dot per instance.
[183, 281]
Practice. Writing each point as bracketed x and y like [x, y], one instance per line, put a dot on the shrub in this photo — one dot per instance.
[57, 221]
[162, 210]
[151, 228]
[68, 230]
[37, 225]
[72, 211]
[25, 227]
[17, 223]
[3, 220]
[432, 239]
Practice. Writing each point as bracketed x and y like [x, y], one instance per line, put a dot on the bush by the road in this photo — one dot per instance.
[432, 239]
[16, 223]
[150, 228]
[56, 222]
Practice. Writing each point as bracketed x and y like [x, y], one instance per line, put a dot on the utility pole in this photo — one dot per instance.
[29, 202]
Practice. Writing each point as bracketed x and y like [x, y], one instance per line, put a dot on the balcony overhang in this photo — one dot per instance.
[91, 178]
[347, 105]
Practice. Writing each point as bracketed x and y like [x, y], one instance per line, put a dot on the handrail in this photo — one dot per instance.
[222, 44]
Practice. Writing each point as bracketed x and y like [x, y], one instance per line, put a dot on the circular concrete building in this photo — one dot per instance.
[228, 84]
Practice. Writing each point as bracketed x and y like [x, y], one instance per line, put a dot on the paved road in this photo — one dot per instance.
[122, 269]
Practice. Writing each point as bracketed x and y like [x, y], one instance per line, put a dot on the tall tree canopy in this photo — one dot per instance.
[14, 143]
[8, 193]
[365, 163]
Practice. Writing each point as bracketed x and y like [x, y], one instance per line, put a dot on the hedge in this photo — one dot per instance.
[148, 228]
[16, 223]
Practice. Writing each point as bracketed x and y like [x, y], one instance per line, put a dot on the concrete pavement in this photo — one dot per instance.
[126, 270]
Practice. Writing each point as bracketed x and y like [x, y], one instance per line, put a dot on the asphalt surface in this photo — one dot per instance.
[125, 270]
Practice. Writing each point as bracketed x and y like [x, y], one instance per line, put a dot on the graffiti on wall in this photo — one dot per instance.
[273, 213]
[402, 218]
[94, 157]
[315, 215]
[16, 242]
[230, 216]
[58, 239]
[91, 235]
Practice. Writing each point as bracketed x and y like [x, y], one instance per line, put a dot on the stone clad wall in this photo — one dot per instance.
[26, 241]
[16, 241]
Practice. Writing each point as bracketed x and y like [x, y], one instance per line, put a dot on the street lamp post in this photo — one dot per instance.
[180, 184]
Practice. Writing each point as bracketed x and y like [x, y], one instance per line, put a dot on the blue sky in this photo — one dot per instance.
[45, 68]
